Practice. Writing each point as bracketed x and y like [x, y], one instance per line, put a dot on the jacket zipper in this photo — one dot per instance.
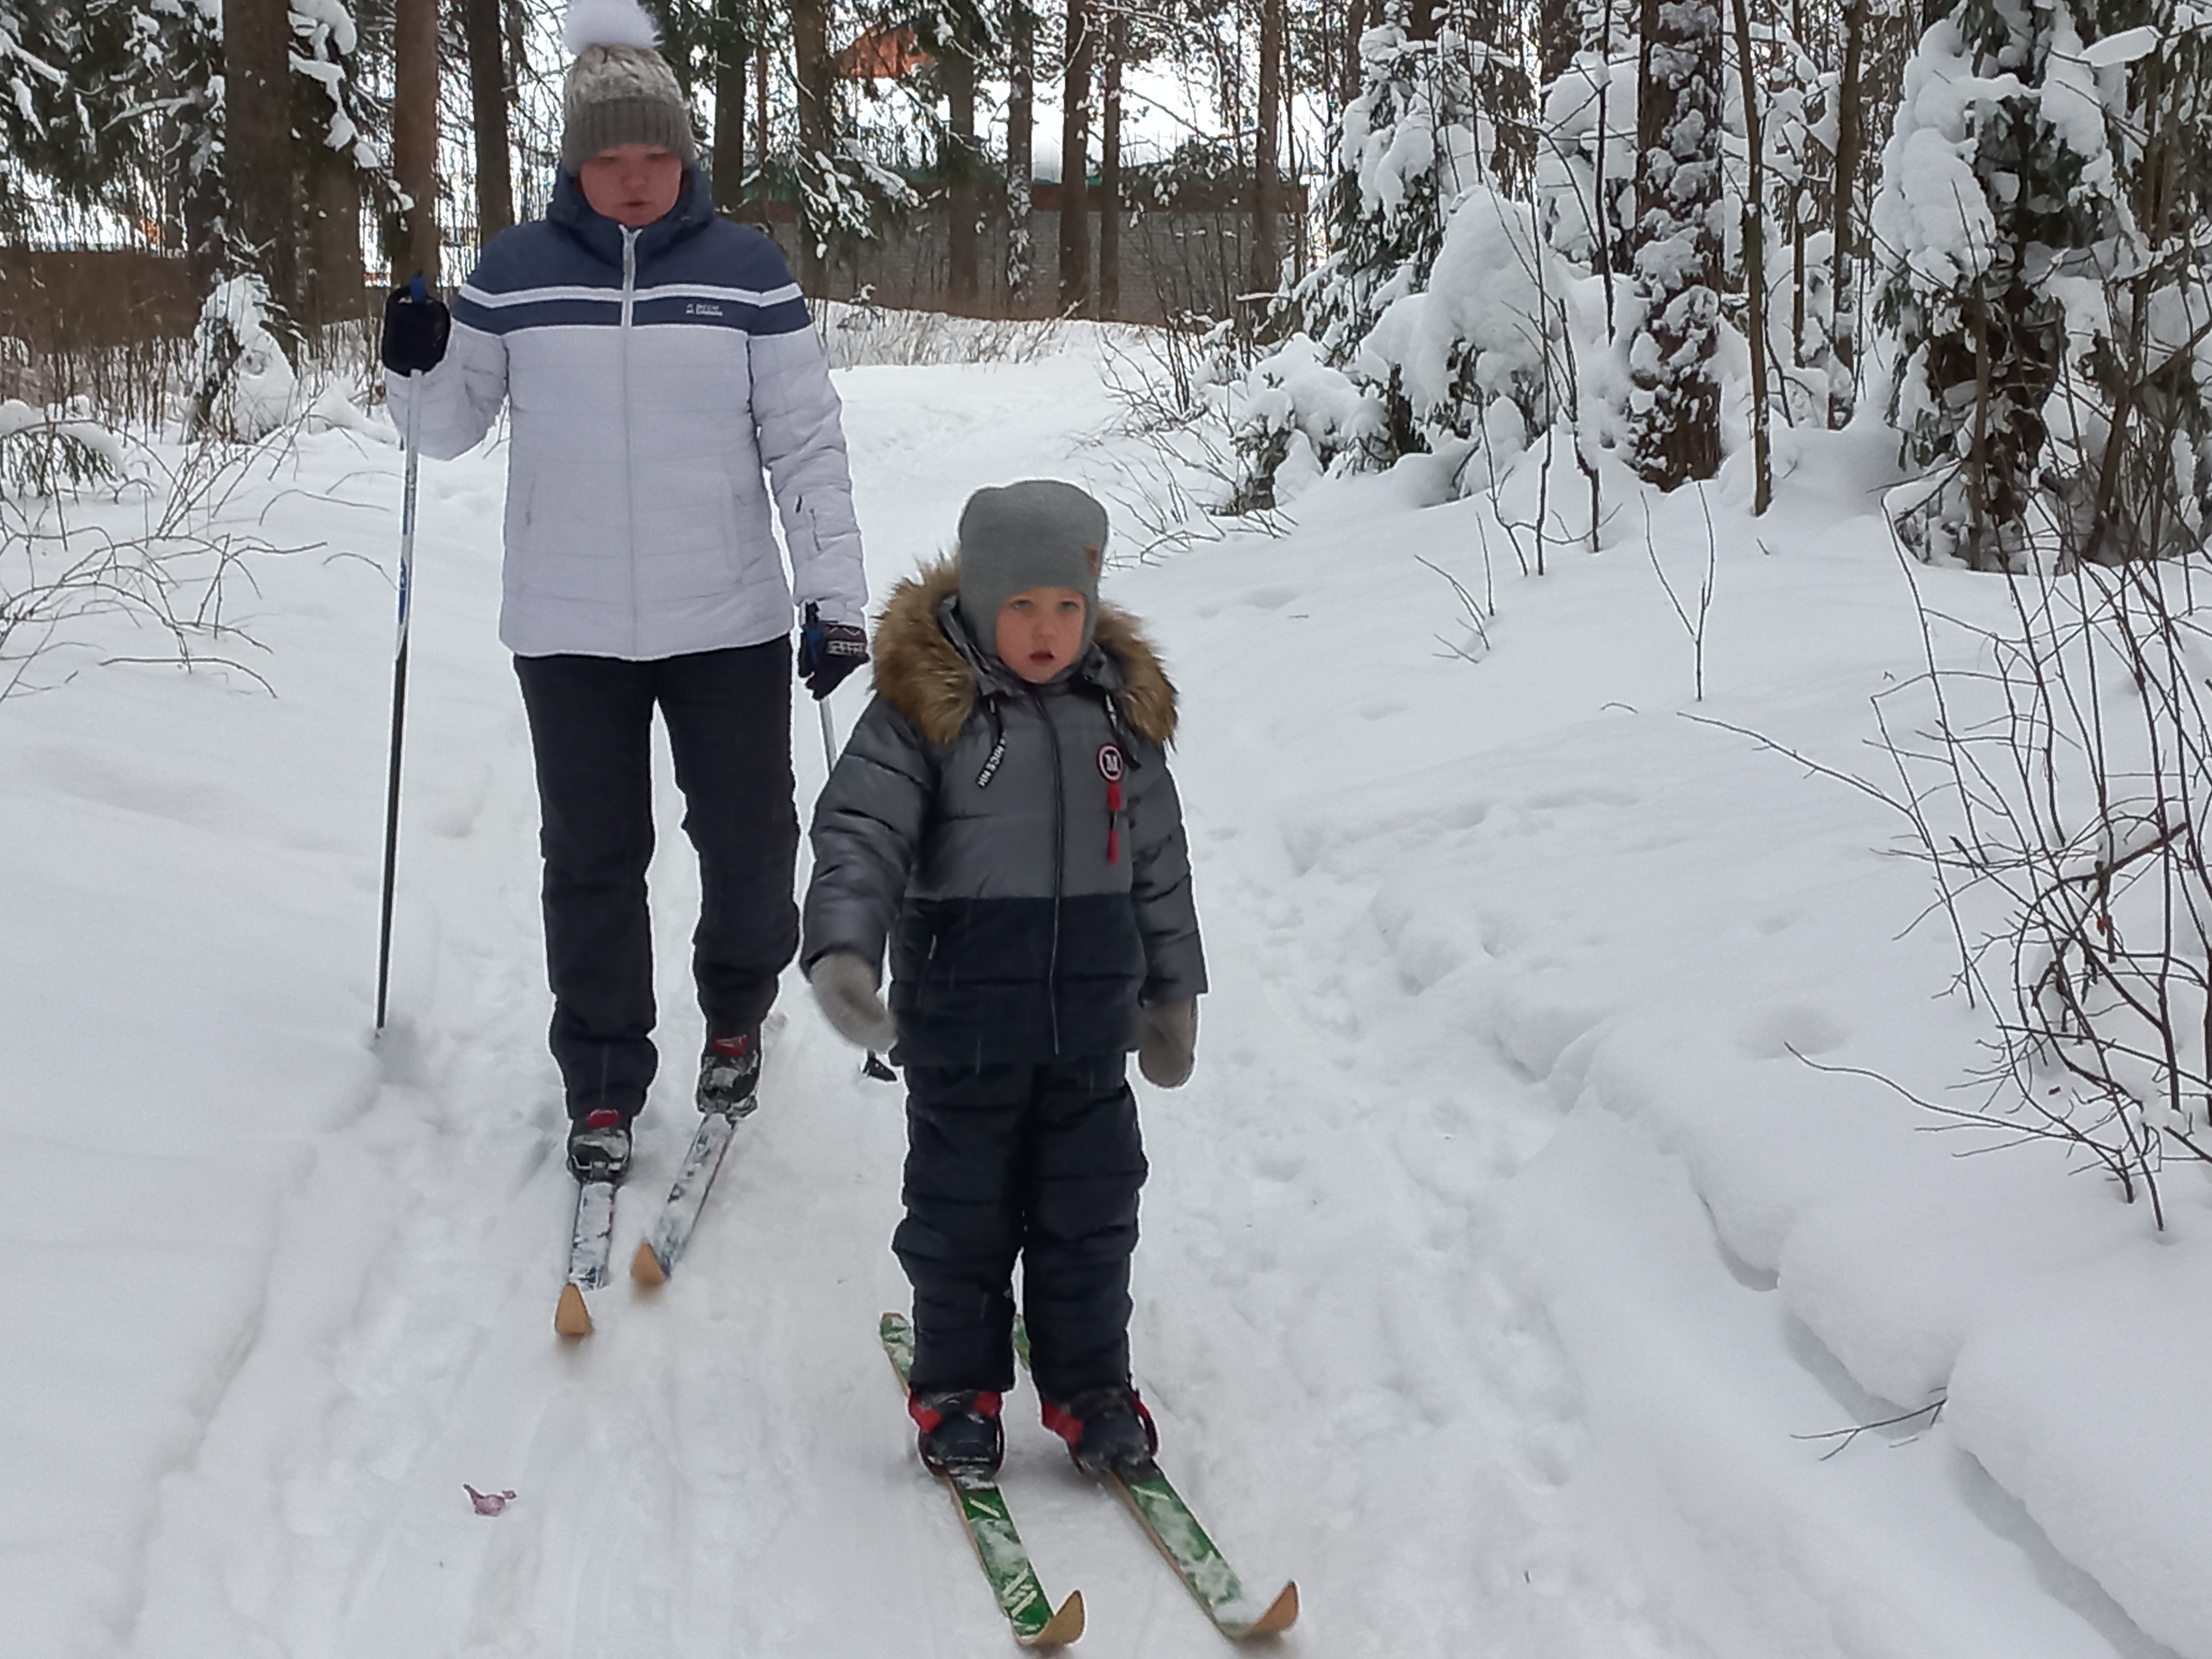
[630, 479]
[1059, 865]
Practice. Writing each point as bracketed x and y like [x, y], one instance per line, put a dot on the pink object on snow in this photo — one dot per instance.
[487, 1503]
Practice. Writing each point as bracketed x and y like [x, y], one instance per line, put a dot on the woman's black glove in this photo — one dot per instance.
[416, 324]
[828, 652]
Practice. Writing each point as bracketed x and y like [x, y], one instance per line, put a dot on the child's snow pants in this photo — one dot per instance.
[1042, 1161]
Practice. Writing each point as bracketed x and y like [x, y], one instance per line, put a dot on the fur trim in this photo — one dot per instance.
[923, 675]
[607, 23]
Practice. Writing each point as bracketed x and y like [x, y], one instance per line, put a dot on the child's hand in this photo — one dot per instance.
[1168, 1047]
[845, 986]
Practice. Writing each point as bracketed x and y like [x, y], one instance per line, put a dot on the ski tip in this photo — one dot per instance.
[1278, 1617]
[645, 1267]
[1063, 1627]
[572, 1317]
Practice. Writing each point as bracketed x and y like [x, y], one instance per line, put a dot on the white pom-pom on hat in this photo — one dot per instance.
[608, 23]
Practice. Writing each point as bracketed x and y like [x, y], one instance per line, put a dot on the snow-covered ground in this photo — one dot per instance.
[1503, 1261]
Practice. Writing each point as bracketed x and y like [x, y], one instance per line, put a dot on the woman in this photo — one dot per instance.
[663, 383]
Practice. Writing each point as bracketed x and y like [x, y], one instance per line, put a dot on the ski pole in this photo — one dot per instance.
[400, 681]
[873, 1066]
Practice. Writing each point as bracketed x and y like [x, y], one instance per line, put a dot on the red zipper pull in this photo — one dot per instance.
[1113, 821]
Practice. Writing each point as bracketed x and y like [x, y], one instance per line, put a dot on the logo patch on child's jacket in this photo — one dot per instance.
[1109, 768]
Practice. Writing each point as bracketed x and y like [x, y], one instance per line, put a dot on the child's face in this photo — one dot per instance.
[1039, 631]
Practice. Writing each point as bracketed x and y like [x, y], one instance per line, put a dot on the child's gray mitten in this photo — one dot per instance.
[1168, 1047]
[845, 986]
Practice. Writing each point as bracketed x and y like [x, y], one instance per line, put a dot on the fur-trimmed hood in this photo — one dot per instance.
[928, 668]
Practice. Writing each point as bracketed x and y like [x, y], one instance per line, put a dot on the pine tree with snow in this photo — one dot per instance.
[1674, 400]
[2003, 221]
[1408, 148]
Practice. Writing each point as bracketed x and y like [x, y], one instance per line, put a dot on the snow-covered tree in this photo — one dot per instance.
[1411, 145]
[2002, 221]
[1674, 400]
[110, 104]
[2138, 478]
[1585, 166]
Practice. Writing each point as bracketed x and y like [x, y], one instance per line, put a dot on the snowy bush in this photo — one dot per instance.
[2061, 791]
[1293, 394]
[1466, 363]
[42, 454]
[244, 385]
[87, 583]
[1471, 352]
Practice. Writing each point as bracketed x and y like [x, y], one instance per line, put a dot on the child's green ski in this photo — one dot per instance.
[1168, 1522]
[990, 1527]
[1159, 1508]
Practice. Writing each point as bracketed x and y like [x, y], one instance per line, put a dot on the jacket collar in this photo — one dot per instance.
[931, 670]
[603, 237]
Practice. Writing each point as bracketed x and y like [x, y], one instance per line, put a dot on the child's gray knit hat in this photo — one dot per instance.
[620, 89]
[1038, 534]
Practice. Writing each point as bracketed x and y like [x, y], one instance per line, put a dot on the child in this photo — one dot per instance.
[1003, 815]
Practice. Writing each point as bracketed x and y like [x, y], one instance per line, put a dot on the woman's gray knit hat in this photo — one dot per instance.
[1038, 534]
[621, 90]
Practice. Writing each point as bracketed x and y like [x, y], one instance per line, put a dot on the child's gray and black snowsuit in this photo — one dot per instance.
[1021, 850]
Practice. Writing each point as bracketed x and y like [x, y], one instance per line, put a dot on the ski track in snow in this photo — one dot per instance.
[290, 1289]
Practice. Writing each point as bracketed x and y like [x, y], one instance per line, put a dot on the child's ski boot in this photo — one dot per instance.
[1107, 1431]
[960, 1431]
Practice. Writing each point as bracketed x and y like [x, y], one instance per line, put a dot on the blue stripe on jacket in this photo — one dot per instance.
[692, 268]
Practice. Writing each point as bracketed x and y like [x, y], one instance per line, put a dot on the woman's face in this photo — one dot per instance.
[632, 184]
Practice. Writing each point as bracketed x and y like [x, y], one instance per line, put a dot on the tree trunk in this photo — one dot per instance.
[257, 154]
[1075, 161]
[415, 137]
[487, 48]
[1675, 414]
[1844, 288]
[1358, 15]
[733, 57]
[760, 109]
[813, 67]
[962, 158]
[1559, 37]
[327, 278]
[1754, 260]
[1021, 167]
[1503, 93]
[1267, 160]
[1109, 168]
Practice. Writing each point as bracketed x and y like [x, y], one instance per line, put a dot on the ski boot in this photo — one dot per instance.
[1107, 1431]
[729, 1071]
[960, 1431]
[598, 1145]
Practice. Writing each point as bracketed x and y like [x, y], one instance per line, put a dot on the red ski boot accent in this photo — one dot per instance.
[1107, 1431]
[960, 1431]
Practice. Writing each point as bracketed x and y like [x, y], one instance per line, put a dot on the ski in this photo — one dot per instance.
[1197, 1560]
[1166, 1519]
[664, 1241]
[679, 1211]
[591, 1240]
[990, 1525]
